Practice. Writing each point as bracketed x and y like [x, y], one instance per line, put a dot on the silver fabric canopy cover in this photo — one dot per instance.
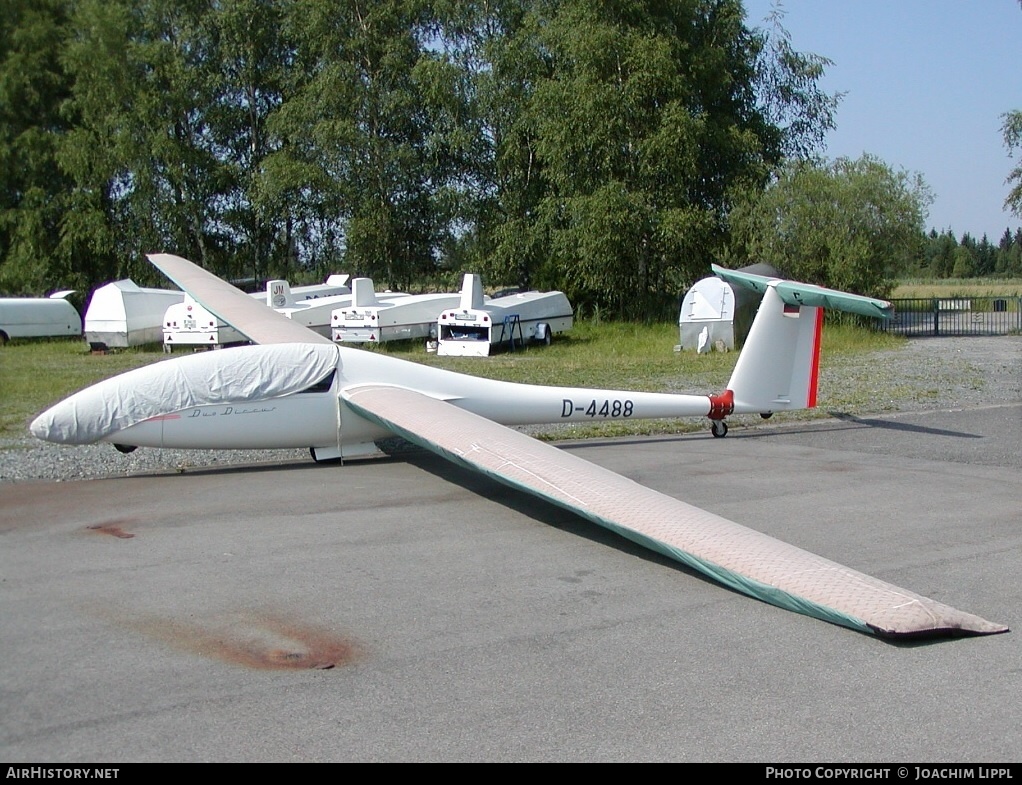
[246, 373]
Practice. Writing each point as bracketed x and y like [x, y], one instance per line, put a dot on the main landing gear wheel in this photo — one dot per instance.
[125, 448]
[718, 428]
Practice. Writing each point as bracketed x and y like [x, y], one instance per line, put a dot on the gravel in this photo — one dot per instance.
[927, 374]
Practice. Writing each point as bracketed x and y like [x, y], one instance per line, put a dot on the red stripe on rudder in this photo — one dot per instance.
[814, 371]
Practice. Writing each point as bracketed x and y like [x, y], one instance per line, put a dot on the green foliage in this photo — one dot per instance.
[945, 256]
[788, 82]
[565, 144]
[1012, 130]
[32, 188]
[850, 225]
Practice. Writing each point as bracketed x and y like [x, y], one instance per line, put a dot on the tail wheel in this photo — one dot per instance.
[718, 428]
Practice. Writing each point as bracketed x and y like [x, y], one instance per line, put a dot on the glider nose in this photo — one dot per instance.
[63, 423]
[41, 425]
[250, 373]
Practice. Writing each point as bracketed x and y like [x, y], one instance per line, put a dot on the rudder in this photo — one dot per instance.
[778, 369]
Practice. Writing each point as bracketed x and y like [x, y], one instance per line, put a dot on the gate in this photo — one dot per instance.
[955, 316]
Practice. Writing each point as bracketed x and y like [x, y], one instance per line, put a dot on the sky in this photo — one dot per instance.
[926, 83]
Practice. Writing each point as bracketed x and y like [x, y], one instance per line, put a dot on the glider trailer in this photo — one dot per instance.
[296, 388]
[372, 318]
[477, 326]
[39, 317]
[189, 324]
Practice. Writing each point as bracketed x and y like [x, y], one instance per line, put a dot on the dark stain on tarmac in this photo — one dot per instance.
[114, 527]
[257, 640]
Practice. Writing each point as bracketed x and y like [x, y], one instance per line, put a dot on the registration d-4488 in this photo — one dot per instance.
[597, 407]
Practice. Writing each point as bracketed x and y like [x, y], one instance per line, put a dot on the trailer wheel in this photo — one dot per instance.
[544, 334]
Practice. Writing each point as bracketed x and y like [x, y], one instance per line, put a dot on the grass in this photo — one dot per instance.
[612, 355]
[959, 287]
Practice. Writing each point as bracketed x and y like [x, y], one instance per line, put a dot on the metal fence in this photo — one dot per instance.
[955, 316]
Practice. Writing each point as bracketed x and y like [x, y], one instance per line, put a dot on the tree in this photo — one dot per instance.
[248, 63]
[940, 254]
[788, 85]
[965, 258]
[150, 171]
[33, 85]
[588, 146]
[1012, 129]
[849, 224]
[615, 132]
[637, 119]
[354, 129]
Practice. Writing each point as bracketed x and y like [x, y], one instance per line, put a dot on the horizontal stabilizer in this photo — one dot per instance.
[794, 293]
[742, 559]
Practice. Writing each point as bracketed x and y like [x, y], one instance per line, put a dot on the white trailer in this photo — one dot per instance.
[715, 316]
[124, 314]
[706, 320]
[39, 317]
[316, 314]
[373, 318]
[476, 327]
[189, 324]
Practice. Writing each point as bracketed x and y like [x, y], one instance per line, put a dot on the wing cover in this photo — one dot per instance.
[741, 558]
[253, 319]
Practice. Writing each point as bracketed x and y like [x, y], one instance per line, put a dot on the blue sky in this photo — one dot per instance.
[926, 83]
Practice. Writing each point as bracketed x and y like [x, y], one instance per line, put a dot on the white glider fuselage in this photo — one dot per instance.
[292, 393]
[293, 388]
[318, 417]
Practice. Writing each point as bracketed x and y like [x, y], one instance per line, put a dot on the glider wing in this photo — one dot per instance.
[741, 558]
[253, 319]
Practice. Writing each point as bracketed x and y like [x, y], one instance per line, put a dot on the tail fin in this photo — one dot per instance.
[472, 292]
[778, 368]
[278, 294]
[362, 293]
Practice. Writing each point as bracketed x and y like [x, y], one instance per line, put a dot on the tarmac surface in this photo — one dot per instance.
[402, 609]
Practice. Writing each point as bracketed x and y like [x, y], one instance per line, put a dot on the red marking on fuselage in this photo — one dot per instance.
[160, 417]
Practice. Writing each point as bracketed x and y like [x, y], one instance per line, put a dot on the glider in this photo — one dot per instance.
[295, 388]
